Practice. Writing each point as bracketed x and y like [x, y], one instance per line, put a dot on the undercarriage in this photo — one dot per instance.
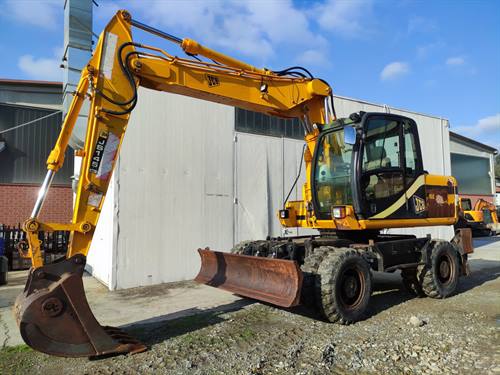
[336, 269]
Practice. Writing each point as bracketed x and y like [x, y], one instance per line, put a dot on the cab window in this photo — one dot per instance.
[411, 155]
[382, 175]
[332, 176]
[381, 145]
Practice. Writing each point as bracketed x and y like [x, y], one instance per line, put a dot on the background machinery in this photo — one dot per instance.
[482, 219]
[364, 174]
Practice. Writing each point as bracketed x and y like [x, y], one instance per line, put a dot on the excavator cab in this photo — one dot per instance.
[370, 171]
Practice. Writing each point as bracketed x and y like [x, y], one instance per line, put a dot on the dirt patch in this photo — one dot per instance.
[160, 290]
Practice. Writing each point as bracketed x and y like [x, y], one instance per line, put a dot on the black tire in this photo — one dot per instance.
[411, 283]
[343, 286]
[309, 270]
[439, 277]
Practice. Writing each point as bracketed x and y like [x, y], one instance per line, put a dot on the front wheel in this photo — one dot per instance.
[439, 277]
[343, 286]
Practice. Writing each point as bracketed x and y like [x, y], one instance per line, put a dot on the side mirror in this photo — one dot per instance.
[349, 135]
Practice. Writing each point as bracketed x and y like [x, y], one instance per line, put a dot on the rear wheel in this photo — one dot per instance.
[439, 277]
[343, 286]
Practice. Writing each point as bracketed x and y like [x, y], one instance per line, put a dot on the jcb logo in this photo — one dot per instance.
[212, 81]
[419, 204]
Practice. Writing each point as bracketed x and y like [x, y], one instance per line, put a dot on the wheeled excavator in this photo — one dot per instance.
[364, 174]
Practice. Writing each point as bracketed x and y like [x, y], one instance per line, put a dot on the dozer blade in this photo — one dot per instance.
[275, 281]
[54, 316]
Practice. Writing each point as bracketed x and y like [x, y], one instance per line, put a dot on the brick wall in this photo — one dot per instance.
[17, 201]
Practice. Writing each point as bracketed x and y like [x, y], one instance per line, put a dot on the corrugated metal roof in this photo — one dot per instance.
[473, 142]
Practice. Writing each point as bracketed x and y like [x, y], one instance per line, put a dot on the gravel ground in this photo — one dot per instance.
[401, 335]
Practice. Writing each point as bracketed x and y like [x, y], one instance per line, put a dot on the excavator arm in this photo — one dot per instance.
[52, 312]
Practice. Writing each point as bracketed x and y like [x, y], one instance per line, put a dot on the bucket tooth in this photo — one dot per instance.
[276, 281]
[54, 316]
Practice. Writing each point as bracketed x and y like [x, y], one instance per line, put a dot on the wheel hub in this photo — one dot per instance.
[445, 272]
[444, 269]
[351, 288]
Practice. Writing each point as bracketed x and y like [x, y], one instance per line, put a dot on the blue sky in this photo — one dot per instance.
[436, 57]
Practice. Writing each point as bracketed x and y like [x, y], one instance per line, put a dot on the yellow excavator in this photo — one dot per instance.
[364, 174]
[490, 217]
[482, 219]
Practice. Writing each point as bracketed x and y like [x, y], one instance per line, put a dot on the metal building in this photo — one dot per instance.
[193, 174]
[473, 165]
[24, 150]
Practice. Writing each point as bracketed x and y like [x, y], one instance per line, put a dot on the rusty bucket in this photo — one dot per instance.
[54, 316]
[275, 281]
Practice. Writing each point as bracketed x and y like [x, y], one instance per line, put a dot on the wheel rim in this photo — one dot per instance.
[351, 288]
[445, 269]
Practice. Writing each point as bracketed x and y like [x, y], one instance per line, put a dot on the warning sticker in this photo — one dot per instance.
[104, 155]
[94, 199]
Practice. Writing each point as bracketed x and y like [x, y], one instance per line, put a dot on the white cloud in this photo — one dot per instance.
[425, 50]
[42, 68]
[257, 30]
[312, 57]
[487, 130]
[455, 61]
[417, 24]
[489, 123]
[254, 28]
[486, 124]
[347, 18]
[394, 70]
[45, 14]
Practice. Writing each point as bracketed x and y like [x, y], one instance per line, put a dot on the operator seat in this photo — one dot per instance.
[377, 158]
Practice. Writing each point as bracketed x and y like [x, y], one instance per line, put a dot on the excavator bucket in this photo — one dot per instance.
[275, 281]
[54, 316]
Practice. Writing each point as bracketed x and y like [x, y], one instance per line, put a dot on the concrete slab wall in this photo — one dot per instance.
[175, 188]
[265, 170]
[101, 259]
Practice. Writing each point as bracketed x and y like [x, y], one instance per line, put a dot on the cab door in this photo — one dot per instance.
[390, 163]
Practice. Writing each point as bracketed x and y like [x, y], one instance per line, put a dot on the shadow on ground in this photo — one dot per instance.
[164, 327]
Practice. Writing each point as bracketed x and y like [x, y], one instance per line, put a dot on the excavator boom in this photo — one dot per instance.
[52, 313]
